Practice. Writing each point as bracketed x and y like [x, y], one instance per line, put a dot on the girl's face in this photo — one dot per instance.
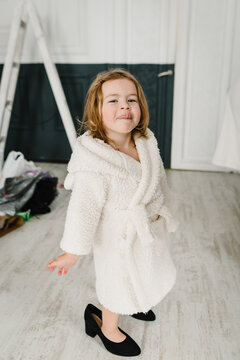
[120, 110]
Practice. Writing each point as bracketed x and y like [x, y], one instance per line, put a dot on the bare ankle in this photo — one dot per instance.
[109, 329]
[109, 321]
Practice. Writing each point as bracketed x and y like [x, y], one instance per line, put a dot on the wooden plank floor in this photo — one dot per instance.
[41, 313]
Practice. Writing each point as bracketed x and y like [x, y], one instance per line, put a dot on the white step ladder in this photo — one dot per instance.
[25, 10]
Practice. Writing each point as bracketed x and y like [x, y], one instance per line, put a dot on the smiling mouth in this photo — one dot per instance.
[125, 118]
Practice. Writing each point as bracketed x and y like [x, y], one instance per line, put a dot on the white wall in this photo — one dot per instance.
[92, 31]
[235, 56]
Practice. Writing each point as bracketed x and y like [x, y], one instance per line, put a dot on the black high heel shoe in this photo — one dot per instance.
[148, 316]
[93, 321]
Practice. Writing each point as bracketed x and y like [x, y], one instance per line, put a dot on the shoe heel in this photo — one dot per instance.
[89, 331]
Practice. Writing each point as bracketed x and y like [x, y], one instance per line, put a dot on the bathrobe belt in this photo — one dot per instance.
[139, 224]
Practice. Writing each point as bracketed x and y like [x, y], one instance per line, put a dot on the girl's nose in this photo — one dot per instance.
[125, 105]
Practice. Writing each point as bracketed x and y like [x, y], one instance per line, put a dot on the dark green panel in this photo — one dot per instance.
[36, 127]
[164, 113]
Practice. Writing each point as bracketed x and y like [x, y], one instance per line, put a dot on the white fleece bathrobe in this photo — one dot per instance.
[113, 208]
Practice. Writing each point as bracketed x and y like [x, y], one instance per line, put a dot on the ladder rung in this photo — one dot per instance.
[23, 24]
[8, 102]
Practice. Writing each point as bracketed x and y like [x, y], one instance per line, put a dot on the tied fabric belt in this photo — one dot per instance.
[139, 224]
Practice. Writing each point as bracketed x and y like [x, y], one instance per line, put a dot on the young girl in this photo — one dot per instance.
[121, 208]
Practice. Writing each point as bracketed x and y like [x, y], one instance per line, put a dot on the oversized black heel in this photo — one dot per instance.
[89, 331]
[93, 323]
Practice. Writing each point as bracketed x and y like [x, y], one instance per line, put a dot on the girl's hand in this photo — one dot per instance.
[64, 262]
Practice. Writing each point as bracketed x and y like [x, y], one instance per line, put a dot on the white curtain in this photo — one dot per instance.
[227, 153]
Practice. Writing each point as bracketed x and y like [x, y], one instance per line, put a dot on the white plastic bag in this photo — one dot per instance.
[15, 165]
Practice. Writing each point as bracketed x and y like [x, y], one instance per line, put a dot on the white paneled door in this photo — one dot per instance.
[204, 58]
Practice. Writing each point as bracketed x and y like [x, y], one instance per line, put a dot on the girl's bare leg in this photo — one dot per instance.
[110, 326]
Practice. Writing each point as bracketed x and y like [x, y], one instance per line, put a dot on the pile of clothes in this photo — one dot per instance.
[24, 195]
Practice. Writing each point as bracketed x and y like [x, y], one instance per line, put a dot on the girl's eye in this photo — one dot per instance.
[128, 100]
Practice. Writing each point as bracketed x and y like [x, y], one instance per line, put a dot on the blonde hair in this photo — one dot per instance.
[92, 117]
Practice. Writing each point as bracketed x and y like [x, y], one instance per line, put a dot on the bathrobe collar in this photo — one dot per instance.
[93, 154]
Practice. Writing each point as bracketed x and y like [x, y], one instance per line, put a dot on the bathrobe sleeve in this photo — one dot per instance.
[84, 210]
